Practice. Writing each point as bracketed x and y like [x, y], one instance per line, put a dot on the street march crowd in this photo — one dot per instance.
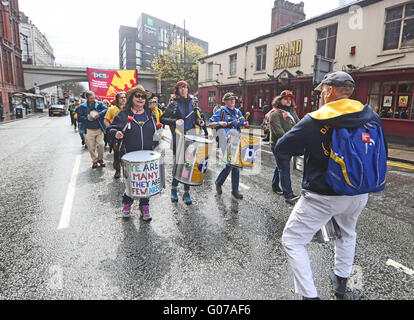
[343, 145]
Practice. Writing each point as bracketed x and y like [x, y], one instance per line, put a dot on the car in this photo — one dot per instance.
[57, 110]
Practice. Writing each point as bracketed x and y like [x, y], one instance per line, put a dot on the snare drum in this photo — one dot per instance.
[144, 174]
[192, 160]
[242, 149]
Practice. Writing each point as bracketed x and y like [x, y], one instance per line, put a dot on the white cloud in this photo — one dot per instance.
[86, 32]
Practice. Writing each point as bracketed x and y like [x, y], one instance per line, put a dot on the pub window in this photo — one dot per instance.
[261, 58]
[399, 27]
[211, 99]
[392, 99]
[233, 64]
[210, 71]
[326, 43]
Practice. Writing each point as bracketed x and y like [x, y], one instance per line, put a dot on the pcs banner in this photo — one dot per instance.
[107, 83]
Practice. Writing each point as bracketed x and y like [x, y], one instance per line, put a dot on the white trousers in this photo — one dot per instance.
[312, 212]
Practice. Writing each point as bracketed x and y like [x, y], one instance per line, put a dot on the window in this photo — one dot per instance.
[210, 67]
[211, 99]
[261, 58]
[399, 27]
[392, 99]
[233, 64]
[326, 43]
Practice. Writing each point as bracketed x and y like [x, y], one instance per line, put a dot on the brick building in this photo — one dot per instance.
[11, 68]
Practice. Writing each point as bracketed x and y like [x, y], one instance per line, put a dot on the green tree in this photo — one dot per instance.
[174, 66]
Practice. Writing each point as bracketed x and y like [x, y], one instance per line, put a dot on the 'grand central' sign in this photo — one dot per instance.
[288, 55]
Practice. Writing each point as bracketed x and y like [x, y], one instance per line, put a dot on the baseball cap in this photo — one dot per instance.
[228, 96]
[337, 79]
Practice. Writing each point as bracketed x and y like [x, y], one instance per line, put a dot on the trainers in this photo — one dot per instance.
[117, 174]
[174, 195]
[94, 165]
[102, 163]
[278, 191]
[293, 199]
[339, 285]
[237, 195]
[219, 190]
[127, 210]
[145, 214]
[187, 199]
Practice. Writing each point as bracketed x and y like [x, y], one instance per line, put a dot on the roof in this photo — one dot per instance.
[327, 15]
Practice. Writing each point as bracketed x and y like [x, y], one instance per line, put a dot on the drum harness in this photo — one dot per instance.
[196, 110]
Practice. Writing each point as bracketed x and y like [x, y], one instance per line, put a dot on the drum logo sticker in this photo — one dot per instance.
[145, 179]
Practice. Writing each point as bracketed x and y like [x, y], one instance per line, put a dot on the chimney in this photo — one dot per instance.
[285, 13]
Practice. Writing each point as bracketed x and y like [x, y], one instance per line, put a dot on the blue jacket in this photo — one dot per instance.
[230, 116]
[138, 138]
[312, 137]
[82, 112]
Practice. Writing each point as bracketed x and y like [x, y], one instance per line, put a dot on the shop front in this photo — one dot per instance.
[390, 93]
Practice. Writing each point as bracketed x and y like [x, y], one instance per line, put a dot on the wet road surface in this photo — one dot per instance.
[218, 248]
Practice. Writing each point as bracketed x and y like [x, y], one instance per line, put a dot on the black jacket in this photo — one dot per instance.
[137, 138]
[173, 113]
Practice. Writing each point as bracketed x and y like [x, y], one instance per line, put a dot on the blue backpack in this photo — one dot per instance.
[358, 161]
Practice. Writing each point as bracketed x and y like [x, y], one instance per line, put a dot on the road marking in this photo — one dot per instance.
[400, 267]
[70, 195]
[400, 165]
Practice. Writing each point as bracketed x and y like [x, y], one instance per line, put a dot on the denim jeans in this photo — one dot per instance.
[235, 177]
[128, 200]
[282, 174]
[82, 129]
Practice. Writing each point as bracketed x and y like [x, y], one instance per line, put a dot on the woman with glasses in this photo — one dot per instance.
[138, 137]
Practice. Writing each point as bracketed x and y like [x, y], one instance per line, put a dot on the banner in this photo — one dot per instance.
[107, 83]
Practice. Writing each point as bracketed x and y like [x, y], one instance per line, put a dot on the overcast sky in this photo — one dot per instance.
[86, 32]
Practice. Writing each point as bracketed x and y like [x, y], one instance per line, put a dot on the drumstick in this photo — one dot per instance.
[130, 119]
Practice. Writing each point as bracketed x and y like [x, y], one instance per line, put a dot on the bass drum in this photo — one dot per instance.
[241, 150]
[144, 174]
[193, 153]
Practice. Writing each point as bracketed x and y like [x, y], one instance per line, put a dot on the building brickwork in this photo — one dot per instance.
[285, 13]
[11, 67]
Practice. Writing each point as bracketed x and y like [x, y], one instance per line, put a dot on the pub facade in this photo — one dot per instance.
[373, 40]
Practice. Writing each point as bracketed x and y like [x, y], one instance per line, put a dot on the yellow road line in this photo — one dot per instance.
[400, 165]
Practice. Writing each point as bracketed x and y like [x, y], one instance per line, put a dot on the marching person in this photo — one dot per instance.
[72, 109]
[81, 125]
[138, 138]
[181, 117]
[228, 118]
[92, 114]
[319, 202]
[153, 105]
[282, 118]
[120, 103]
